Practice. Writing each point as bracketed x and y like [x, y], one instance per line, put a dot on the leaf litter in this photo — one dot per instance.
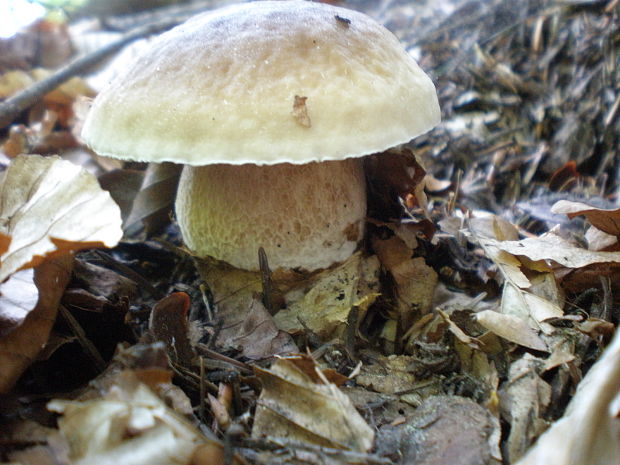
[474, 301]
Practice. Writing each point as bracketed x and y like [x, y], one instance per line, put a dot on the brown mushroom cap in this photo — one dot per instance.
[267, 83]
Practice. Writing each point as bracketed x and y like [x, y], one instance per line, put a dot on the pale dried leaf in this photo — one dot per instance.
[389, 375]
[599, 240]
[295, 406]
[260, 338]
[18, 296]
[130, 424]
[458, 332]
[607, 220]
[415, 280]
[512, 328]
[529, 307]
[552, 247]
[49, 207]
[523, 401]
[509, 265]
[589, 431]
[325, 307]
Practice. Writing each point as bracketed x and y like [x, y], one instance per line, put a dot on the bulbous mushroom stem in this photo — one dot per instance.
[304, 216]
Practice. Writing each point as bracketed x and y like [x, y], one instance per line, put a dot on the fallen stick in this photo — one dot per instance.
[13, 106]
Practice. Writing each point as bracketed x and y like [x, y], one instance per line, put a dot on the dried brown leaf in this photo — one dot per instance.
[588, 431]
[20, 347]
[607, 220]
[326, 306]
[389, 375]
[123, 185]
[523, 400]
[169, 323]
[293, 406]
[552, 247]
[529, 307]
[259, 337]
[50, 207]
[511, 328]
[129, 424]
[415, 280]
[152, 204]
[450, 430]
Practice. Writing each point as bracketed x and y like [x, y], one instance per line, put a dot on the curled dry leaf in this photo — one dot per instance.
[309, 409]
[512, 328]
[152, 204]
[129, 424]
[50, 207]
[20, 347]
[169, 323]
[551, 246]
[415, 280]
[325, 307]
[259, 337]
[524, 399]
[589, 431]
[607, 220]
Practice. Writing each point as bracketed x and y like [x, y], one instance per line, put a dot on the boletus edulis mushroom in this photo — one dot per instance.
[269, 105]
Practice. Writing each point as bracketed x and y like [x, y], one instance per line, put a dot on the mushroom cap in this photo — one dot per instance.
[265, 82]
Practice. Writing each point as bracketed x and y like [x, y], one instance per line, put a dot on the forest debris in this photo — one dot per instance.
[389, 375]
[450, 430]
[259, 336]
[169, 323]
[51, 207]
[303, 406]
[606, 220]
[551, 246]
[595, 410]
[41, 445]
[325, 307]
[524, 399]
[19, 348]
[511, 328]
[152, 204]
[12, 107]
[415, 280]
[128, 424]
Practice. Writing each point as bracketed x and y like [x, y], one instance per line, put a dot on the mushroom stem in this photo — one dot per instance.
[308, 216]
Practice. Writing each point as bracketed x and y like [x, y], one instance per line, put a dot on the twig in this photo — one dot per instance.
[12, 107]
[265, 274]
[86, 343]
[131, 274]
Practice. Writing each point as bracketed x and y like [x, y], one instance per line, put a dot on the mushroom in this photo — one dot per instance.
[269, 105]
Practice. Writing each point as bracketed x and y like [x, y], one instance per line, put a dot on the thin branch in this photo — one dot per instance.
[12, 107]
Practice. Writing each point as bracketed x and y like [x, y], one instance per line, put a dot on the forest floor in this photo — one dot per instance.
[484, 292]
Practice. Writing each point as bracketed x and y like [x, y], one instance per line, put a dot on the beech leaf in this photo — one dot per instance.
[49, 207]
[512, 328]
[304, 406]
[607, 220]
[552, 247]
